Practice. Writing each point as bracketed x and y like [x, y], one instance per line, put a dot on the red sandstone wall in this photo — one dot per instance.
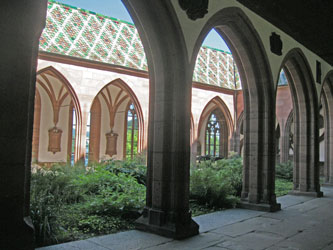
[284, 104]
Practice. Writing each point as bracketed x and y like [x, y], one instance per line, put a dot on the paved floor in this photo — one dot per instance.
[304, 223]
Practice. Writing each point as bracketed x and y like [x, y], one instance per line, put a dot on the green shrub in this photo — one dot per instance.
[109, 193]
[282, 186]
[77, 225]
[129, 167]
[217, 184]
[284, 170]
[50, 189]
[70, 203]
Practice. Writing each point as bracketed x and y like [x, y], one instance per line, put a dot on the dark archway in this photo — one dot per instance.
[259, 103]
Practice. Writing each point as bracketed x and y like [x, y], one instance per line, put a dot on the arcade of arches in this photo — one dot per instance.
[80, 102]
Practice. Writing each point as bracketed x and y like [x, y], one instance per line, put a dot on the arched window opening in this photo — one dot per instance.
[213, 135]
[284, 107]
[132, 132]
[87, 141]
[73, 137]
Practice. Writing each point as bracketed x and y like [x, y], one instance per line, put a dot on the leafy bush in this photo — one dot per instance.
[282, 186]
[284, 170]
[78, 225]
[109, 193]
[129, 167]
[217, 184]
[69, 203]
[49, 190]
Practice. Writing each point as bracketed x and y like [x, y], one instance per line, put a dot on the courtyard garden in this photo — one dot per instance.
[76, 202]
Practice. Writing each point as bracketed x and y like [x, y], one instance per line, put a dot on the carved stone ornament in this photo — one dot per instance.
[111, 143]
[54, 140]
[194, 8]
[276, 44]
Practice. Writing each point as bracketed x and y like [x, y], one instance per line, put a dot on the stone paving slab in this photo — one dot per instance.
[310, 205]
[215, 220]
[76, 245]
[216, 248]
[253, 241]
[130, 240]
[291, 200]
[200, 241]
[284, 229]
[328, 247]
[306, 240]
[247, 226]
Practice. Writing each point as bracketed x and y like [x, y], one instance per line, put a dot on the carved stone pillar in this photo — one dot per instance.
[21, 23]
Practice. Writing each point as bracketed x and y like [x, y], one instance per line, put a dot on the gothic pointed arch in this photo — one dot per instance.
[327, 103]
[259, 102]
[305, 119]
[221, 129]
[117, 97]
[131, 131]
[44, 79]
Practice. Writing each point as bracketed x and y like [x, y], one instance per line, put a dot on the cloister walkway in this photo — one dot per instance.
[304, 223]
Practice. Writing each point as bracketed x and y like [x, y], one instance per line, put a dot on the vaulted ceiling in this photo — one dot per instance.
[310, 22]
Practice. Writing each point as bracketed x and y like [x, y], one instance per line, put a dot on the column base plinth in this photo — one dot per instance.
[161, 226]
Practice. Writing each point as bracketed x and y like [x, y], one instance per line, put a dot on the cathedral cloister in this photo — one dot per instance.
[78, 87]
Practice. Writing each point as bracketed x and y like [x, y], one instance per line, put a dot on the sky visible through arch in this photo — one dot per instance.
[116, 9]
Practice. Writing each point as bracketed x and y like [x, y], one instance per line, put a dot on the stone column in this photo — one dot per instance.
[20, 28]
[235, 143]
[167, 205]
[285, 141]
[306, 126]
[327, 102]
[167, 211]
[258, 191]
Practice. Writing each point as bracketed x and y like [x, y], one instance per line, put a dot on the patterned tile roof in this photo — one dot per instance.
[80, 33]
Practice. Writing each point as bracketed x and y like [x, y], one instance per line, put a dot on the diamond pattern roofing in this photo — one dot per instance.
[80, 33]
